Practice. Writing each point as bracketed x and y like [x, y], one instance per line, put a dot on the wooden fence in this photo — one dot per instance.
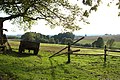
[69, 52]
[104, 54]
[109, 50]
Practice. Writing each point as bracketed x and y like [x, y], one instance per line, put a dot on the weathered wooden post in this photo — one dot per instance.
[1, 32]
[105, 51]
[69, 52]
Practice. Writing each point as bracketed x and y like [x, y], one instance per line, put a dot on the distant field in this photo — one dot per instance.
[91, 39]
[105, 37]
[85, 41]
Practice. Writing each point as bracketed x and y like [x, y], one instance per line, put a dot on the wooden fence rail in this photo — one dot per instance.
[109, 50]
[69, 50]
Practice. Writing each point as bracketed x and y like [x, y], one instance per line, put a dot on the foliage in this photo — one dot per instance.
[63, 13]
[51, 40]
[86, 45]
[66, 41]
[62, 37]
[110, 42]
[99, 43]
[54, 12]
[33, 36]
[94, 44]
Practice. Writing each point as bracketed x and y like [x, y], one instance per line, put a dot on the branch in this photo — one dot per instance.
[34, 18]
[51, 11]
[18, 8]
[18, 15]
[13, 16]
[41, 12]
[11, 3]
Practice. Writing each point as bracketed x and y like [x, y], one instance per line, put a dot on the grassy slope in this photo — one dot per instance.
[40, 67]
[91, 39]
[105, 37]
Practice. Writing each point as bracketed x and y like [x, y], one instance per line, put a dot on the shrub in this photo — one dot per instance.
[99, 43]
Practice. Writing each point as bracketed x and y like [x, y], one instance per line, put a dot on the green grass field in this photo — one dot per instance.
[116, 44]
[26, 66]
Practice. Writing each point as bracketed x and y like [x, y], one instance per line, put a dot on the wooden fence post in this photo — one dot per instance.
[66, 48]
[105, 51]
[69, 52]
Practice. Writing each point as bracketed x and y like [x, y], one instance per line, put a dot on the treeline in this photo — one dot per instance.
[12, 37]
[61, 38]
[64, 38]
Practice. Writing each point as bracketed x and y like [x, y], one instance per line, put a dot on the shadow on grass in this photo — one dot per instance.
[15, 53]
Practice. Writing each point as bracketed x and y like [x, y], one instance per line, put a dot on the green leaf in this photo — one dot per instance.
[94, 8]
[89, 2]
[86, 14]
[98, 1]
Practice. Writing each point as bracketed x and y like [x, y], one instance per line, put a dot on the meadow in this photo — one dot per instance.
[26, 66]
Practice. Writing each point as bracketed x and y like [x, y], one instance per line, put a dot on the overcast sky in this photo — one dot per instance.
[104, 21]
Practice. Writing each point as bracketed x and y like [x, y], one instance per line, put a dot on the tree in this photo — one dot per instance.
[110, 42]
[37, 37]
[51, 40]
[56, 41]
[94, 44]
[66, 40]
[61, 36]
[69, 35]
[99, 43]
[27, 12]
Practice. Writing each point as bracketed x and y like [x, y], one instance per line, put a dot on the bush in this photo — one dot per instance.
[99, 43]
[110, 42]
[51, 40]
[67, 40]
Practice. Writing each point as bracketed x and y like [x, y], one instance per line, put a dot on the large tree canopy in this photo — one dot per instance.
[55, 12]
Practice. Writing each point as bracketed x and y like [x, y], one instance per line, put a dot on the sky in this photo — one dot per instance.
[104, 21]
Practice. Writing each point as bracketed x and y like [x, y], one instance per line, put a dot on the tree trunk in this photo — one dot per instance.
[1, 31]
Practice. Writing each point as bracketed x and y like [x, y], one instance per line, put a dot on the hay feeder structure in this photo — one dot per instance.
[29, 45]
